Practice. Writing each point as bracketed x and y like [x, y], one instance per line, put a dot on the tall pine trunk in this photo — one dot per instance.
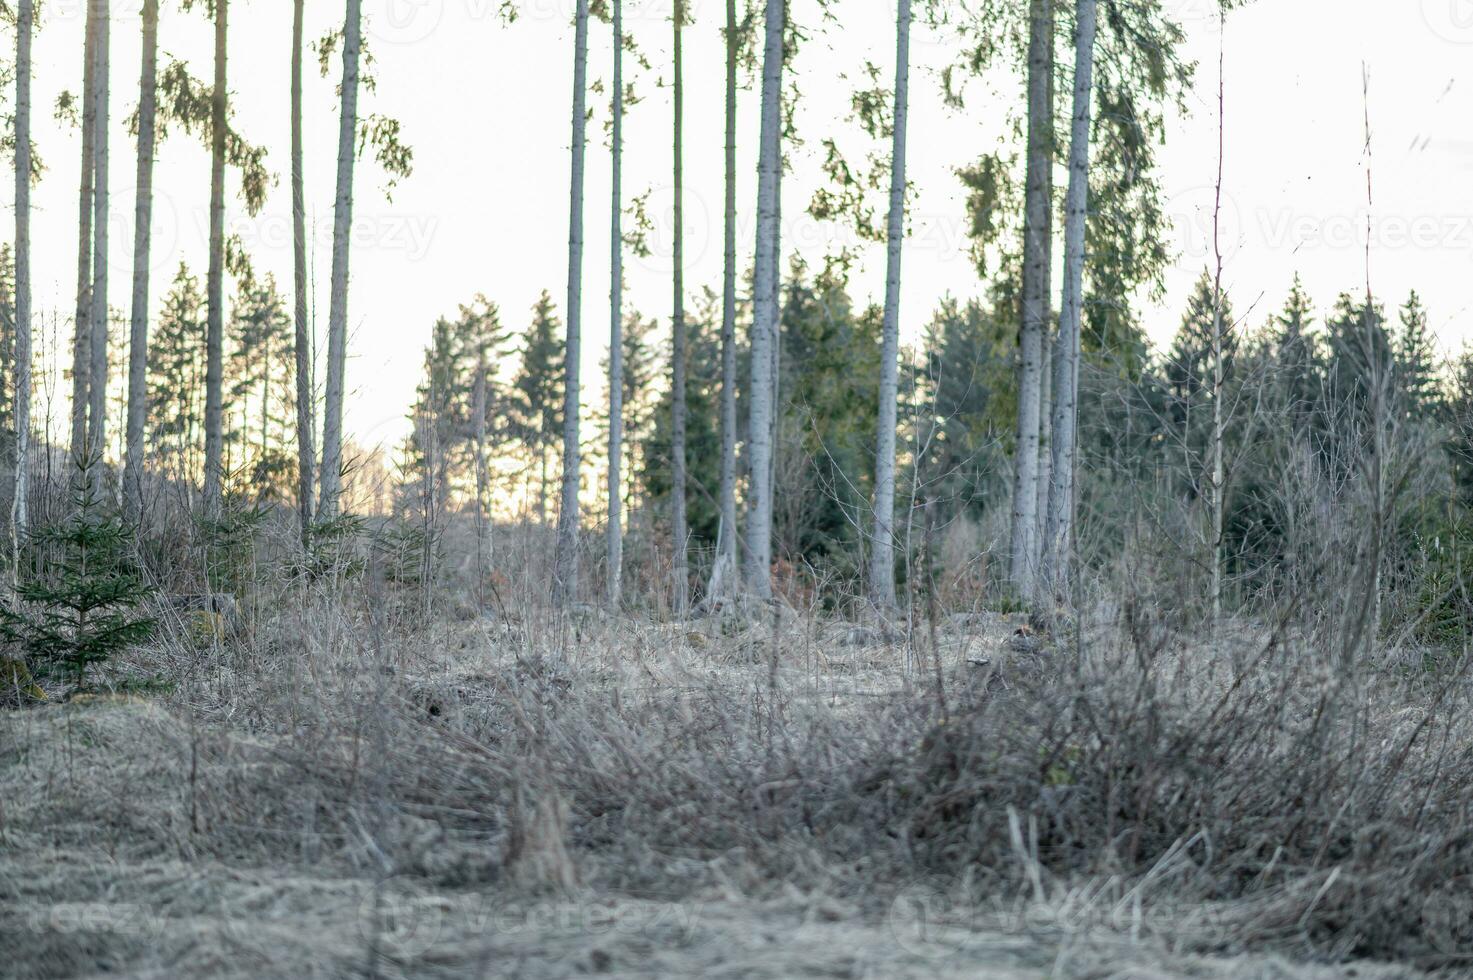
[25, 21]
[1037, 271]
[478, 436]
[342, 224]
[82, 338]
[565, 575]
[97, 367]
[679, 531]
[215, 279]
[765, 307]
[725, 568]
[142, 242]
[306, 450]
[1219, 364]
[616, 324]
[882, 553]
[1058, 530]
[1045, 449]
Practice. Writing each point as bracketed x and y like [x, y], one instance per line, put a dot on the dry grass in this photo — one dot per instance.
[351, 793]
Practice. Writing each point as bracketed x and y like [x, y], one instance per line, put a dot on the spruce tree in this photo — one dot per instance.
[537, 391]
[1415, 355]
[175, 375]
[260, 393]
[80, 603]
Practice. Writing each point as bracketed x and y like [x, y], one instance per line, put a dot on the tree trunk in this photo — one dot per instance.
[1037, 271]
[725, 567]
[97, 368]
[142, 242]
[1045, 448]
[478, 433]
[1218, 365]
[1059, 528]
[764, 320]
[19, 517]
[342, 224]
[215, 279]
[679, 531]
[616, 323]
[82, 339]
[882, 551]
[306, 450]
[565, 576]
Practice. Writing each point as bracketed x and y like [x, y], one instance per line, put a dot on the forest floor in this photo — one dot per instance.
[246, 814]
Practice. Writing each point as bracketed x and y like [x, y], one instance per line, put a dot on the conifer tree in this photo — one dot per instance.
[175, 377]
[565, 572]
[79, 604]
[537, 390]
[24, 26]
[137, 410]
[1416, 358]
[1296, 357]
[260, 391]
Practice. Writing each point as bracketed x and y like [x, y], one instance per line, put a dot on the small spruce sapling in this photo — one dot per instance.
[80, 605]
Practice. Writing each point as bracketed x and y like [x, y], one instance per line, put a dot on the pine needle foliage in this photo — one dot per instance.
[80, 605]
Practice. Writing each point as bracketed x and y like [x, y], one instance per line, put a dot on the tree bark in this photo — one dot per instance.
[306, 450]
[478, 434]
[725, 567]
[97, 368]
[1060, 524]
[764, 320]
[679, 531]
[565, 576]
[1218, 365]
[882, 550]
[342, 224]
[82, 338]
[1045, 449]
[616, 323]
[215, 279]
[142, 243]
[1037, 271]
[25, 21]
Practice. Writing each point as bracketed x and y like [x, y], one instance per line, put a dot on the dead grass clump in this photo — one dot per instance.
[1302, 802]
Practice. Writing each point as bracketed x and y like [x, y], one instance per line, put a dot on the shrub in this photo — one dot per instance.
[80, 604]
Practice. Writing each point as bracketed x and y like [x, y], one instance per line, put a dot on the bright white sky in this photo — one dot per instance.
[486, 107]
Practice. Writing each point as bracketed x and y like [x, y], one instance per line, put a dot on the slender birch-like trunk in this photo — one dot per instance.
[82, 338]
[97, 367]
[142, 243]
[725, 568]
[1046, 345]
[306, 449]
[1045, 447]
[565, 575]
[1038, 207]
[215, 278]
[342, 224]
[765, 308]
[478, 435]
[1059, 527]
[882, 550]
[25, 21]
[679, 532]
[616, 322]
[1218, 366]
